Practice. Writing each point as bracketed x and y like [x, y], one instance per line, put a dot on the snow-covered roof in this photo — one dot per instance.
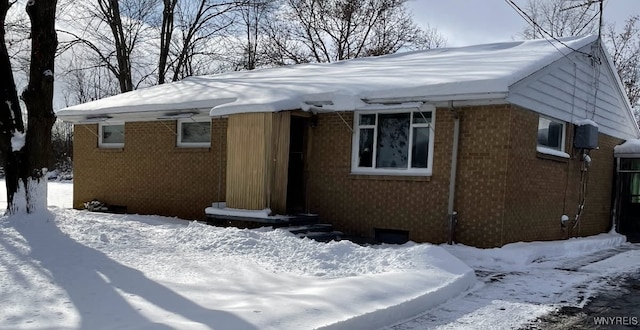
[464, 73]
[630, 148]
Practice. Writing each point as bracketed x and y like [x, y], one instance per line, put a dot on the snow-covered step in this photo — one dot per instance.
[319, 227]
[323, 236]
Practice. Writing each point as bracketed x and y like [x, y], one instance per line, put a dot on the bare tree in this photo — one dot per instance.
[253, 16]
[625, 50]
[331, 30]
[85, 82]
[562, 18]
[110, 32]
[199, 22]
[26, 152]
[166, 35]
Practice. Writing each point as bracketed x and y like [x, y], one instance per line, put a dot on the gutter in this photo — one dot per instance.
[452, 215]
[495, 96]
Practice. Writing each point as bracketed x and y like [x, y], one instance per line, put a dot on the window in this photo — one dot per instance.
[111, 136]
[398, 143]
[193, 133]
[550, 134]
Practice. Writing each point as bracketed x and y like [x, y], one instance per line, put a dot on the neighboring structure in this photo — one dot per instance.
[500, 137]
[627, 189]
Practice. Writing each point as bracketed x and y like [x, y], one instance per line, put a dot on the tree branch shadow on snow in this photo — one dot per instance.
[92, 280]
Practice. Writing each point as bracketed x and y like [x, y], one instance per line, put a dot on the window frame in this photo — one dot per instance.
[550, 150]
[102, 144]
[408, 171]
[182, 144]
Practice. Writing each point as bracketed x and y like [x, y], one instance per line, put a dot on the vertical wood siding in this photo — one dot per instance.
[257, 166]
[279, 163]
[246, 164]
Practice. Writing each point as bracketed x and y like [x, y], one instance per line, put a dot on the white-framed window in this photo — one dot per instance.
[393, 142]
[111, 135]
[194, 133]
[551, 135]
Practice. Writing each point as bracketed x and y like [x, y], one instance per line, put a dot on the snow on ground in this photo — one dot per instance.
[523, 281]
[70, 269]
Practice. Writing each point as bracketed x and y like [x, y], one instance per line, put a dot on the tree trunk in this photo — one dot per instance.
[165, 38]
[11, 123]
[26, 157]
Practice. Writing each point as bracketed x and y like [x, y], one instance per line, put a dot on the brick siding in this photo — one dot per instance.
[356, 204]
[541, 189]
[150, 175]
[505, 192]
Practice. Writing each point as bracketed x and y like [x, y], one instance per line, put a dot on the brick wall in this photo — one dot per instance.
[150, 175]
[482, 169]
[505, 190]
[540, 188]
[356, 204]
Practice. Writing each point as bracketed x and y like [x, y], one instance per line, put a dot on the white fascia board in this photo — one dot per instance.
[471, 98]
[156, 115]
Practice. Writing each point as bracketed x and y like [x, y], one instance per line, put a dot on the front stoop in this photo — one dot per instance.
[301, 225]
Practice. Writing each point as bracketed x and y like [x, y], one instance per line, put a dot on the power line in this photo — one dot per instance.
[530, 20]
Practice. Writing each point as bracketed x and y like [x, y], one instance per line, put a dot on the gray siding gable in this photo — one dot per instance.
[572, 89]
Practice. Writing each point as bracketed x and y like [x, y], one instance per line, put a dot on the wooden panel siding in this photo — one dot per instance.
[246, 165]
[279, 163]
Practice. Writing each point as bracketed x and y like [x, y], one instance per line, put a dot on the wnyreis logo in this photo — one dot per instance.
[616, 320]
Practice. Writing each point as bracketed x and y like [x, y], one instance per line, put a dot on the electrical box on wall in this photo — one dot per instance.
[586, 136]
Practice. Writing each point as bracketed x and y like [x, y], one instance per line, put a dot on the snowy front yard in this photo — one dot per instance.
[79, 270]
[92, 270]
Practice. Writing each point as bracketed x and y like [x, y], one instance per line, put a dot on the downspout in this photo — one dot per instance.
[615, 221]
[452, 215]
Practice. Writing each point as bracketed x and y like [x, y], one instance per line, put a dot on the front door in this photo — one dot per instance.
[296, 197]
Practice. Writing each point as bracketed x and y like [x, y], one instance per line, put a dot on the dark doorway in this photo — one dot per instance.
[296, 196]
[629, 198]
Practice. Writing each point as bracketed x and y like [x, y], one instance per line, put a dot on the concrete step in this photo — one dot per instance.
[318, 227]
[323, 236]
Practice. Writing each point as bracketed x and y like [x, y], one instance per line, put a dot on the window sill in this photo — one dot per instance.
[191, 149]
[552, 154]
[390, 176]
[109, 149]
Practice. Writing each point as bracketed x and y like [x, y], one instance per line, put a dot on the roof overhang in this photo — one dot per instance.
[154, 115]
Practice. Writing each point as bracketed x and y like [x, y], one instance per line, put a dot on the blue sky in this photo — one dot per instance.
[467, 22]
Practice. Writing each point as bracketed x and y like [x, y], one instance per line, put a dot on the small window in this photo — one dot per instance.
[111, 136]
[193, 133]
[551, 134]
[398, 143]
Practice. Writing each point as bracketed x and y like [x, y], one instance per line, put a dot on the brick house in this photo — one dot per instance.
[485, 145]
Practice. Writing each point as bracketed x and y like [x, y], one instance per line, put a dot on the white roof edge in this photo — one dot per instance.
[440, 98]
[373, 103]
[81, 117]
[621, 88]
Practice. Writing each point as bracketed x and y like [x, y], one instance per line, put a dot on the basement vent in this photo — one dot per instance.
[391, 236]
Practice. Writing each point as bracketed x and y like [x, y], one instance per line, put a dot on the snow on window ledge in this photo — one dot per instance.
[552, 152]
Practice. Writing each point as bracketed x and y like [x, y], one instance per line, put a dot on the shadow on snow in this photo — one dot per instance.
[92, 280]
